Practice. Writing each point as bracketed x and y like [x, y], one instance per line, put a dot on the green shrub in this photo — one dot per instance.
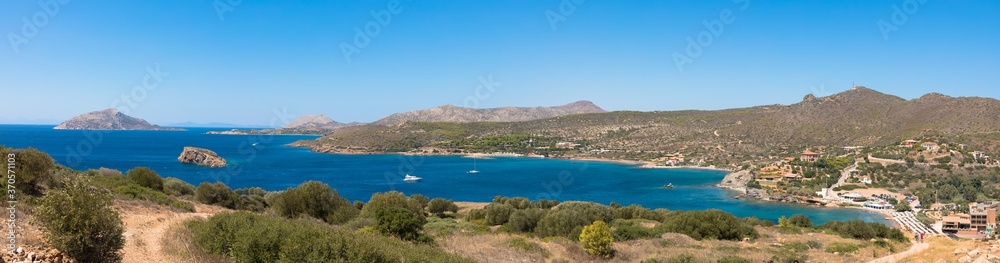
[439, 205]
[814, 244]
[314, 199]
[182, 205]
[710, 224]
[177, 187]
[390, 199]
[563, 223]
[145, 177]
[138, 192]
[858, 229]
[525, 220]
[398, 222]
[843, 248]
[754, 221]
[33, 169]
[497, 214]
[81, 223]
[683, 258]
[420, 200]
[596, 239]
[216, 194]
[520, 243]
[627, 232]
[247, 237]
[800, 220]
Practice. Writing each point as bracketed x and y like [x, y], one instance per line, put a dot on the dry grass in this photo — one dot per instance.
[178, 242]
[943, 248]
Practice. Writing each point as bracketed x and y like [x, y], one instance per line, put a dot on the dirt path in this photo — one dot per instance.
[916, 248]
[146, 224]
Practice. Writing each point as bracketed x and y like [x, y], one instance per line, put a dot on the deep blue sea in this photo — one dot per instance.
[273, 166]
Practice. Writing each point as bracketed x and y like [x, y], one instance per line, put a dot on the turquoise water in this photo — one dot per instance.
[273, 166]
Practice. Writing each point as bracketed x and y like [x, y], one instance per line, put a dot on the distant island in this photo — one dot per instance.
[307, 124]
[109, 119]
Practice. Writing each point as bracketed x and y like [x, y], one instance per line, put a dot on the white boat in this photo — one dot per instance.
[410, 178]
[473, 171]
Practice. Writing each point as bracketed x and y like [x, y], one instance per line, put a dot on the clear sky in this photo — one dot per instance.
[238, 63]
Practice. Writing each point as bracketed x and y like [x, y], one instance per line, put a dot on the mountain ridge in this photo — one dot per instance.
[451, 113]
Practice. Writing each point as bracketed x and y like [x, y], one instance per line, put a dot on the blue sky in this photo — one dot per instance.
[258, 57]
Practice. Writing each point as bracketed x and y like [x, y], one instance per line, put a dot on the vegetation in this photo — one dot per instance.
[596, 239]
[145, 177]
[711, 224]
[316, 200]
[398, 222]
[440, 205]
[81, 223]
[32, 169]
[858, 229]
[177, 187]
[216, 194]
[247, 237]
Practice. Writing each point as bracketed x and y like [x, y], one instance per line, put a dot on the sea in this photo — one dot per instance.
[267, 162]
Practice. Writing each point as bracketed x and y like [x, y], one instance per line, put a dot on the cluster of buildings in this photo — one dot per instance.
[980, 222]
[930, 146]
[777, 172]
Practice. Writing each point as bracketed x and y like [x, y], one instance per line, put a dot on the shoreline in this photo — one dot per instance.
[637, 164]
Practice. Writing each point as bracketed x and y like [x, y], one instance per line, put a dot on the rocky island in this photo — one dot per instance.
[307, 124]
[109, 119]
[201, 156]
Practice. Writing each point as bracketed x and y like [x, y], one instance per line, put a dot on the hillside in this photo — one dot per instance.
[859, 116]
[109, 119]
[449, 113]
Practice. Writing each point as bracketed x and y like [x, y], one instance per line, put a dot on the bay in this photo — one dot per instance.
[264, 161]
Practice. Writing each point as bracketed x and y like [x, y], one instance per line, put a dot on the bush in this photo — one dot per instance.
[247, 237]
[177, 187]
[562, 223]
[314, 199]
[858, 229]
[398, 222]
[82, 223]
[800, 220]
[525, 220]
[710, 224]
[596, 239]
[628, 232]
[216, 194]
[134, 191]
[754, 221]
[145, 177]
[390, 199]
[33, 168]
[497, 214]
[439, 205]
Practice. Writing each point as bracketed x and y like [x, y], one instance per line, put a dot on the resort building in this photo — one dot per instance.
[866, 179]
[930, 146]
[568, 145]
[809, 156]
[981, 219]
[879, 205]
[853, 196]
[908, 143]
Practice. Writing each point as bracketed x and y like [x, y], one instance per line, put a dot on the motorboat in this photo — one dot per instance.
[410, 178]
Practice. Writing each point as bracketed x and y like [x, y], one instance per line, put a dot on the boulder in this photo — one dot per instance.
[200, 156]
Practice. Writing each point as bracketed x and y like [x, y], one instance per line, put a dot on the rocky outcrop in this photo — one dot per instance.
[736, 180]
[109, 119]
[203, 157]
[449, 113]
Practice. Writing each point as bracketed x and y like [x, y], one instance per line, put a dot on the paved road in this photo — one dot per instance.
[846, 173]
